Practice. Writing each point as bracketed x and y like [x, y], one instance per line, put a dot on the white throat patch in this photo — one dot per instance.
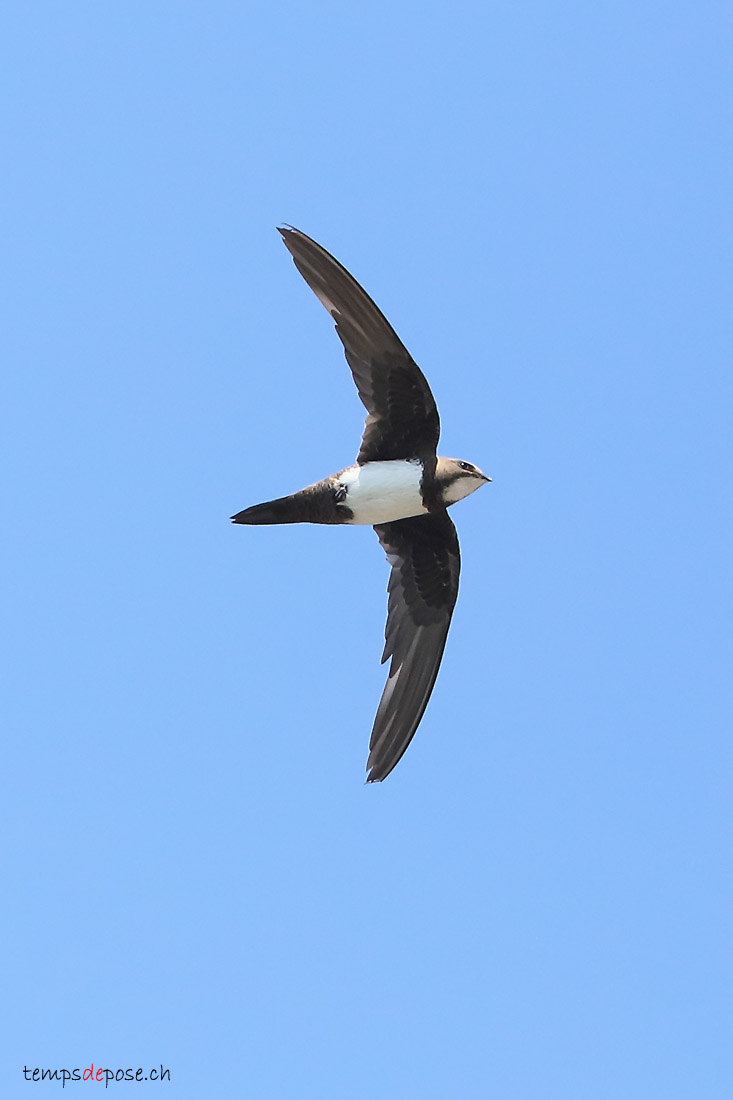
[459, 488]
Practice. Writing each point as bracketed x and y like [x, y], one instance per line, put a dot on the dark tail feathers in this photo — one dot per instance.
[282, 510]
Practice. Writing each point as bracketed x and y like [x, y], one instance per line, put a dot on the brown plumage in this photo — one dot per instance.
[398, 475]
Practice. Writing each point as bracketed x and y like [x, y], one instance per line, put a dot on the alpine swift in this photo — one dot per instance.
[398, 485]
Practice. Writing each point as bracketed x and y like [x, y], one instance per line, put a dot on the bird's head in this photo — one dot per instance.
[457, 478]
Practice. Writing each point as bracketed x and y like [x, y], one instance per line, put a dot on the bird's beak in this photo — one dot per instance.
[485, 477]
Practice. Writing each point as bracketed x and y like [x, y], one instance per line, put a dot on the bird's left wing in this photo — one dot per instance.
[423, 587]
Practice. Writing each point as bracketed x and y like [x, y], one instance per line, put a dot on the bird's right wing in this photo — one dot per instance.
[402, 420]
[423, 587]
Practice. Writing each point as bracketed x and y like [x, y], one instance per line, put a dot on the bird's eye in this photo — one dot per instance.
[465, 465]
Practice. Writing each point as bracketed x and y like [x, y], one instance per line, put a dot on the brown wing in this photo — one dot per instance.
[423, 587]
[402, 419]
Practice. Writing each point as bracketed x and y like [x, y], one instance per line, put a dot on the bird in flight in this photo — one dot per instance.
[398, 485]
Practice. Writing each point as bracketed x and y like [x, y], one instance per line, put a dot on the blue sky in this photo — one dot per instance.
[536, 904]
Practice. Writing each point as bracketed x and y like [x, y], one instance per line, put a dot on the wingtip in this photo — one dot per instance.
[378, 770]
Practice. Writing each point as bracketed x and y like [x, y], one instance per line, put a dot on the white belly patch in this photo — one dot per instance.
[381, 492]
